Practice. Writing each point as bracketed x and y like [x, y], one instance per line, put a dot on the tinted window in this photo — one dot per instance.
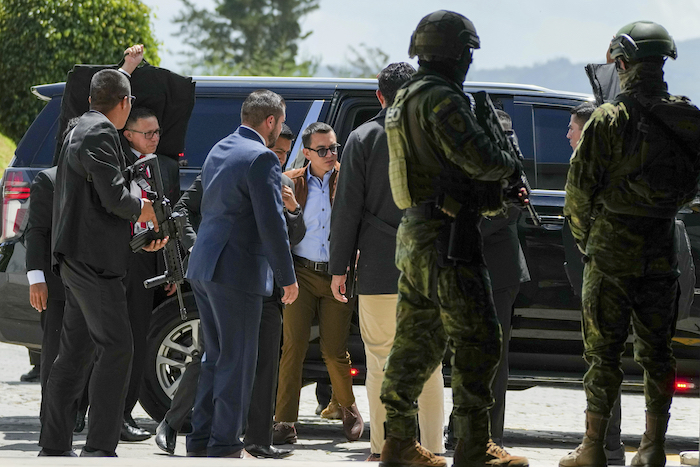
[522, 124]
[38, 143]
[215, 118]
[552, 149]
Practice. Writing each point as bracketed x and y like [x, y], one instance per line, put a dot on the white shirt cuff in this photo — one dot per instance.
[35, 276]
[125, 72]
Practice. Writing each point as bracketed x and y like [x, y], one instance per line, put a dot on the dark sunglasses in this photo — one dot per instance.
[323, 152]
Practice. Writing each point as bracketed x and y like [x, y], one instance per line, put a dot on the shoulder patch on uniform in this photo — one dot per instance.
[447, 111]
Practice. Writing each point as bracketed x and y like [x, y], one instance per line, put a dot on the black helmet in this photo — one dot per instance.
[642, 39]
[443, 35]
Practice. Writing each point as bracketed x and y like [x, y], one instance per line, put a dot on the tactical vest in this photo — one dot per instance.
[417, 172]
[661, 170]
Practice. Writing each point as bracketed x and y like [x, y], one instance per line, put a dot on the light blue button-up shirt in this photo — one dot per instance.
[317, 216]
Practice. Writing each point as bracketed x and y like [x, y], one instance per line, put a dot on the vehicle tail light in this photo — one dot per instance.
[15, 205]
[683, 386]
[354, 372]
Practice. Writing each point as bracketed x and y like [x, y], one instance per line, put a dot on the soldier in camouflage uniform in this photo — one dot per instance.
[443, 168]
[635, 166]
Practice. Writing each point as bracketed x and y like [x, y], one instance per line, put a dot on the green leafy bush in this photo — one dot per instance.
[41, 40]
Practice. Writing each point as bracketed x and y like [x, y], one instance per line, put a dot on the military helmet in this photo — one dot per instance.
[443, 35]
[642, 39]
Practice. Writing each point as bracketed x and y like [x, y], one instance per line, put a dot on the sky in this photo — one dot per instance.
[512, 32]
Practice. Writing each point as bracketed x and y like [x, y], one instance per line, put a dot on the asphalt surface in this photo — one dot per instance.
[542, 423]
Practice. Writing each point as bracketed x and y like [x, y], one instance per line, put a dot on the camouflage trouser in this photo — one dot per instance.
[611, 299]
[465, 317]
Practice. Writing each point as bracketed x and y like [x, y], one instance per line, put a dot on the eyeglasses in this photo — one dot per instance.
[323, 152]
[131, 99]
[147, 134]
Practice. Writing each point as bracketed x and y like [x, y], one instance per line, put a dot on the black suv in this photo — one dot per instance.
[546, 342]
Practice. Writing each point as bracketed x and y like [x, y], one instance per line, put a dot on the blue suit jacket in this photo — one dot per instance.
[242, 238]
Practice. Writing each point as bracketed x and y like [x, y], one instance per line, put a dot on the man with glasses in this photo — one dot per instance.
[90, 244]
[142, 132]
[314, 188]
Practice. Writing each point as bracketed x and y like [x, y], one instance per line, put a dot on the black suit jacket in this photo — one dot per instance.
[190, 204]
[502, 251]
[37, 237]
[92, 204]
[364, 206]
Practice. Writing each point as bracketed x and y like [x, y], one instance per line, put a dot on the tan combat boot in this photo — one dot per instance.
[408, 452]
[651, 450]
[490, 456]
[591, 451]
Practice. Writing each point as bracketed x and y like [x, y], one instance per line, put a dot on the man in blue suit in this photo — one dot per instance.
[242, 242]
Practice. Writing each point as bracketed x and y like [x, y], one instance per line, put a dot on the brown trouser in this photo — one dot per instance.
[315, 297]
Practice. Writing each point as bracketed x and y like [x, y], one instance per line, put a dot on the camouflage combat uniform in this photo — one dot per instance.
[448, 303]
[622, 216]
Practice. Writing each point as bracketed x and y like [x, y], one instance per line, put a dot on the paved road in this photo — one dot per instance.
[541, 423]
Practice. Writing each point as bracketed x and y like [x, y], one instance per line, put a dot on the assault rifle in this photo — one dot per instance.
[146, 173]
[507, 141]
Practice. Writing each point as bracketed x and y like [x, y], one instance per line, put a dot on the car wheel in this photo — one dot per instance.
[172, 343]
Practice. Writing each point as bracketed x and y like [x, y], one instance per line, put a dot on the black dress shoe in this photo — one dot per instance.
[166, 437]
[267, 452]
[131, 433]
[89, 452]
[79, 421]
[53, 453]
[32, 376]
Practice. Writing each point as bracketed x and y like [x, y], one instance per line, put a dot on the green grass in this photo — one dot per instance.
[7, 151]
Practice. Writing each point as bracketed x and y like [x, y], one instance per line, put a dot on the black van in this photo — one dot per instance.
[546, 344]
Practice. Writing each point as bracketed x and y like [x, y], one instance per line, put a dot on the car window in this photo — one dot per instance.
[214, 118]
[37, 145]
[522, 124]
[552, 149]
[353, 112]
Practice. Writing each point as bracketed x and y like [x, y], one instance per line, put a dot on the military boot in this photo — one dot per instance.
[476, 449]
[407, 452]
[476, 455]
[651, 450]
[591, 452]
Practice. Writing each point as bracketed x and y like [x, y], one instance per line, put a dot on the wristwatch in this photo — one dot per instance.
[296, 210]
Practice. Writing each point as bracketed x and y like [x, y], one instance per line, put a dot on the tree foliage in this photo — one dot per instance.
[246, 37]
[365, 63]
[41, 40]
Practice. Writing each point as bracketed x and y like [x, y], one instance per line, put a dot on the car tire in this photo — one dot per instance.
[171, 345]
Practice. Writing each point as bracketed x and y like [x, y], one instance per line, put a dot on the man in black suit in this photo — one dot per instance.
[258, 434]
[507, 268]
[90, 243]
[46, 293]
[365, 216]
[142, 132]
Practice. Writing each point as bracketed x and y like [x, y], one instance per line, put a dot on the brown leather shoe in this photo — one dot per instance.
[283, 433]
[353, 425]
[402, 452]
[332, 412]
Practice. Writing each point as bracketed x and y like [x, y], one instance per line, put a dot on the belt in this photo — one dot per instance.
[317, 266]
[426, 210]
